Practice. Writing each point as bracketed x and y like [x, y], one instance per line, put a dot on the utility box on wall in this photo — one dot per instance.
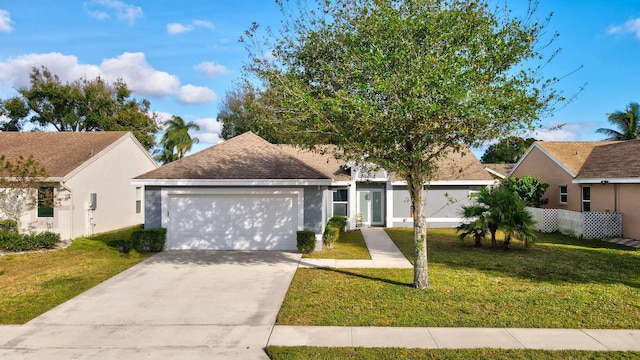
[93, 201]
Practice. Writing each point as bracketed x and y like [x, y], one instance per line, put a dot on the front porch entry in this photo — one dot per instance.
[370, 207]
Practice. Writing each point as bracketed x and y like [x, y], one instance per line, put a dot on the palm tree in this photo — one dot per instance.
[176, 138]
[517, 223]
[627, 122]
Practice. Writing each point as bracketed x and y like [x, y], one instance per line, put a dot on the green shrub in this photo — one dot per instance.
[123, 245]
[9, 226]
[12, 241]
[148, 240]
[331, 235]
[306, 241]
[338, 221]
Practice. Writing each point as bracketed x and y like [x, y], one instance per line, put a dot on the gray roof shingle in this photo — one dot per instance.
[616, 160]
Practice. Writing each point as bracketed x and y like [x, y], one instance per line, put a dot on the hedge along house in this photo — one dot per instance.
[90, 175]
[246, 193]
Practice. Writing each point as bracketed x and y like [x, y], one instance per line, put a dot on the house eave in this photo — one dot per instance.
[450, 182]
[231, 182]
[606, 180]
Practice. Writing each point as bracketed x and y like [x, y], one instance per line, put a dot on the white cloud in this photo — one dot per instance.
[122, 11]
[204, 24]
[190, 94]
[211, 69]
[139, 75]
[631, 26]
[132, 68]
[178, 28]
[5, 21]
[209, 130]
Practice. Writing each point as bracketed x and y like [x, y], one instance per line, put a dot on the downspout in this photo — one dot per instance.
[615, 197]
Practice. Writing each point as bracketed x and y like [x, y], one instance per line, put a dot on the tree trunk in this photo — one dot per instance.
[494, 243]
[478, 240]
[420, 274]
[507, 241]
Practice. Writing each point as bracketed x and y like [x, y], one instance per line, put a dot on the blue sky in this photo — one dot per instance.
[184, 55]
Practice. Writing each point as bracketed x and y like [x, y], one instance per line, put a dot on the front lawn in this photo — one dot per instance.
[316, 353]
[560, 282]
[349, 246]
[33, 283]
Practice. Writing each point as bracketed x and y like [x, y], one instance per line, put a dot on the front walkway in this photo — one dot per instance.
[384, 254]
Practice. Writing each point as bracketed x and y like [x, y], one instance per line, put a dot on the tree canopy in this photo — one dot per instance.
[506, 151]
[401, 84]
[245, 108]
[81, 105]
[627, 122]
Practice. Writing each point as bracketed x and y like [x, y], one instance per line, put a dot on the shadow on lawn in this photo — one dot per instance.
[366, 277]
[554, 258]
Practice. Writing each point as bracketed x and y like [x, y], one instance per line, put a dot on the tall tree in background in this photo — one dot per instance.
[628, 123]
[81, 105]
[401, 84]
[246, 108]
[176, 141]
[506, 151]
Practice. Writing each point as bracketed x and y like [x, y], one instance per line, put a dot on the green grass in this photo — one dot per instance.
[350, 245]
[317, 353]
[33, 283]
[560, 282]
[115, 235]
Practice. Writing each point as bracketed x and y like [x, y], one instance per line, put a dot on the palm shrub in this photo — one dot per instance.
[498, 208]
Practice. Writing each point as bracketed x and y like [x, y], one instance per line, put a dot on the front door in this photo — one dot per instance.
[370, 207]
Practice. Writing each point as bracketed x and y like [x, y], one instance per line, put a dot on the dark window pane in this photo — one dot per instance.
[340, 195]
[340, 209]
[563, 198]
[586, 193]
[45, 201]
[586, 206]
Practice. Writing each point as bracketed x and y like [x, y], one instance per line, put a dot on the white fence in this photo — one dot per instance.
[588, 225]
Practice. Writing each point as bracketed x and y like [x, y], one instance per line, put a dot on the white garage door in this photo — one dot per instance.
[233, 221]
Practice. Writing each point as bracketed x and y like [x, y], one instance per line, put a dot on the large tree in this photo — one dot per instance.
[627, 122]
[507, 150]
[401, 84]
[81, 105]
[243, 109]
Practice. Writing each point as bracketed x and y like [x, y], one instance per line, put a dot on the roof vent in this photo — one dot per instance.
[90, 152]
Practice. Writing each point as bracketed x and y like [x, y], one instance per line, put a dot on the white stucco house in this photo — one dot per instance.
[90, 175]
[246, 193]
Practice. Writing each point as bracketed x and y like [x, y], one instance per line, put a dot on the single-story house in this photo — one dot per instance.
[246, 193]
[589, 178]
[610, 181]
[557, 163]
[89, 175]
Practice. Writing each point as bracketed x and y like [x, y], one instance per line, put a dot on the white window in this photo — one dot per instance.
[563, 194]
[341, 202]
[586, 198]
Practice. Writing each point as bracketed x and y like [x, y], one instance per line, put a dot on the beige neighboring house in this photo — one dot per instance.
[612, 175]
[90, 173]
[589, 177]
[557, 163]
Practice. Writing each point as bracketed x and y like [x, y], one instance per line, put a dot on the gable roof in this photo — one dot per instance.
[569, 155]
[499, 171]
[616, 162]
[244, 157]
[322, 161]
[60, 153]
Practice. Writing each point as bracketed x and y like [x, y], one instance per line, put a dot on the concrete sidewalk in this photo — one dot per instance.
[456, 338]
[384, 254]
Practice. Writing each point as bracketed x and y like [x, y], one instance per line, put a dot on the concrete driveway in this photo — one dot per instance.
[175, 305]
